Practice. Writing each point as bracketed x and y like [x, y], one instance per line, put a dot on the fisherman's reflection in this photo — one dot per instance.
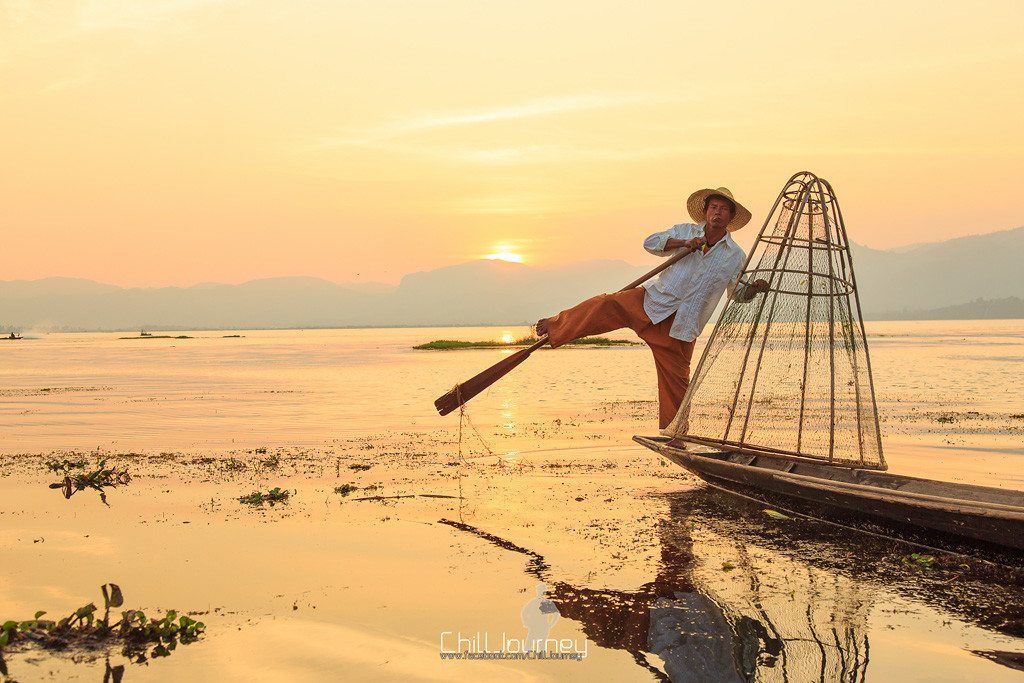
[689, 630]
[539, 616]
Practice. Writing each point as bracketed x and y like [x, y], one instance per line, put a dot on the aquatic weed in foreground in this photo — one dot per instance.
[83, 629]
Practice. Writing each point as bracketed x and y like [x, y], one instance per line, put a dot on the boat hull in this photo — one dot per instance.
[978, 514]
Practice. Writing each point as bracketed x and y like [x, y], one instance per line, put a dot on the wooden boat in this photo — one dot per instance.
[782, 403]
[976, 513]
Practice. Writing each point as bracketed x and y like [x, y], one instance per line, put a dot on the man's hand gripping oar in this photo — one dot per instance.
[461, 393]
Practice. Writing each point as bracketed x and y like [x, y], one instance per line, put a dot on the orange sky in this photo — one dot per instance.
[157, 142]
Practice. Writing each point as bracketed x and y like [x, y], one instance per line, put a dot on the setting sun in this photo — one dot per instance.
[503, 253]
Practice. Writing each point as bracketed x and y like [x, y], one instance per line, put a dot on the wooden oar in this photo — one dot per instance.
[463, 392]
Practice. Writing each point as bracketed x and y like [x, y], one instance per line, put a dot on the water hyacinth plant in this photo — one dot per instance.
[83, 628]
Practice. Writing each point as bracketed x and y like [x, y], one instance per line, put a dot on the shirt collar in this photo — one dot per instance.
[730, 243]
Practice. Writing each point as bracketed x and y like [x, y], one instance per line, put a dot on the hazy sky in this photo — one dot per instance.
[156, 142]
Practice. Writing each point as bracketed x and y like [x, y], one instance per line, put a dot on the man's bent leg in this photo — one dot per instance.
[598, 315]
[672, 362]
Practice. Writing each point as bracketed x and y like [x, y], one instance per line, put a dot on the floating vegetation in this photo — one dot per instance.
[345, 489]
[159, 336]
[272, 462]
[83, 628]
[920, 560]
[274, 495]
[100, 478]
[450, 344]
[65, 465]
[233, 465]
[359, 468]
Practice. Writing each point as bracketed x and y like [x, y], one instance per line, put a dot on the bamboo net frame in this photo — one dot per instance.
[787, 373]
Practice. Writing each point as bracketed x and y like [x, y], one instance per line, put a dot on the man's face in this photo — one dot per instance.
[718, 214]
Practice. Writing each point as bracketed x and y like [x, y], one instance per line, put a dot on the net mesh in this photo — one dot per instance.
[786, 370]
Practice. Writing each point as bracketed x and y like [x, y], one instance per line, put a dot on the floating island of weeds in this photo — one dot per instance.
[158, 336]
[449, 344]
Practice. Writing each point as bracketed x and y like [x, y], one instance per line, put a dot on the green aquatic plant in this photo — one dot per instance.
[134, 630]
[920, 560]
[450, 344]
[100, 478]
[65, 465]
[274, 495]
[345, 489]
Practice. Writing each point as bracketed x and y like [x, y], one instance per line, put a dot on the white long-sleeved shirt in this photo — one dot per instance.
[692, 286]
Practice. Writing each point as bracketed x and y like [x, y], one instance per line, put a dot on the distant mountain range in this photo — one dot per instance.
[970, 277]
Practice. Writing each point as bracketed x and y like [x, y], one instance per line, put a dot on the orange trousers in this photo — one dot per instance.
[609, 312]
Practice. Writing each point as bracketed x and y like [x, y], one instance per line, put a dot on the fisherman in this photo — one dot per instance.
[670, 311]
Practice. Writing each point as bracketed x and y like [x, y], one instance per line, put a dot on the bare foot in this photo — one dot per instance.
[541, 327]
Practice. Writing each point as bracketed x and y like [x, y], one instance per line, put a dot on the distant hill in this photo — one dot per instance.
[979, 309]
[971, 277]
[498, 292]
[475, 293]
[928, 277]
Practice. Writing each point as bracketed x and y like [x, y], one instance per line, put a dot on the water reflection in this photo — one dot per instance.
[739, 596]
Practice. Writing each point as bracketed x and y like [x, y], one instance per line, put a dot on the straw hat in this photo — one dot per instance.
[695, 205]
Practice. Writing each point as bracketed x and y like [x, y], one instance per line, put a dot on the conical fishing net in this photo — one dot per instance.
[787, 372]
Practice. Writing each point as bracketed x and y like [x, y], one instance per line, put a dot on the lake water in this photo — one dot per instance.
[307, 388]
[542, 486]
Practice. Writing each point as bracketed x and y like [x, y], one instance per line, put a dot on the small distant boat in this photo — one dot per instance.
[12, 337]
[782, 404]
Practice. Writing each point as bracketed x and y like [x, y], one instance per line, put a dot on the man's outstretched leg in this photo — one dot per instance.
[596, 315]
[672, 362]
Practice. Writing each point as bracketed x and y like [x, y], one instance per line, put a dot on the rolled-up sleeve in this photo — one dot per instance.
[655, 244]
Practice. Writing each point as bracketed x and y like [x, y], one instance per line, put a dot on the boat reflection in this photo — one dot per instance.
[741, 596]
